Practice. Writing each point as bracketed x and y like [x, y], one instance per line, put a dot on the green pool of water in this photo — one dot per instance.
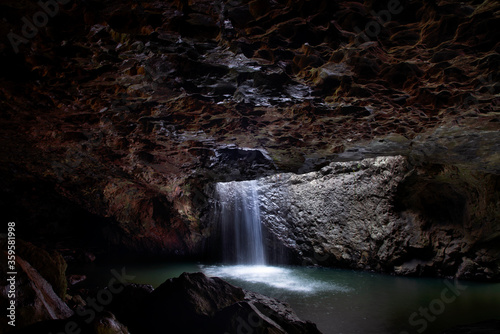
[341, 301]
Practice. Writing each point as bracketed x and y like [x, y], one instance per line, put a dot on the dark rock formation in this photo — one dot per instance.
[194, 303]
[103, 322]
[191, 303]
[127, 111]
[188, 303]
[36, 299]
[50, 265]
[381, 214]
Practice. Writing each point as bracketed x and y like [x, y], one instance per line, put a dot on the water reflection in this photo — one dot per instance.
[339, 301]
[274, 277]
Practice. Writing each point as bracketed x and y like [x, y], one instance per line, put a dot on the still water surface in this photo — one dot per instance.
[342, 301]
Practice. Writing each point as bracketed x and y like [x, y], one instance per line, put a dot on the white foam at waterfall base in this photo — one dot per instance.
[276, 277]
[239, 217]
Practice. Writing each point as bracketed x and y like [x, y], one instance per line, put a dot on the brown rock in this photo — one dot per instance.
[35, 298]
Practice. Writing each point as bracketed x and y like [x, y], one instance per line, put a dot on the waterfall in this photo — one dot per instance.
[239, 219]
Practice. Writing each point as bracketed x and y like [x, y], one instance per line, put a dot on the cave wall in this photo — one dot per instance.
[125, 112]
[386, 215]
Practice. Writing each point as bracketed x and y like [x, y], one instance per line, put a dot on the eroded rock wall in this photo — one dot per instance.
[128, 109]
[383, 214]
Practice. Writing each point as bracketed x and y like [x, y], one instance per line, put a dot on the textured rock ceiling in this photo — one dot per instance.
[110, 99]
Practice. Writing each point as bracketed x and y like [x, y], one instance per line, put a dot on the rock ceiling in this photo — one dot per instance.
[116, 101]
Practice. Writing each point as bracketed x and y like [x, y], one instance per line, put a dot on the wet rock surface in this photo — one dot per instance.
[381, 214]
[128, 111]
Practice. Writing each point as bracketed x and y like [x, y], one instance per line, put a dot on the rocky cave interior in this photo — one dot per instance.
[372, 128]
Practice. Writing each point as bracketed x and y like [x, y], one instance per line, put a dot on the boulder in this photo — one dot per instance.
[194, 303]
[388, 215]
[102, 323]
[50, 264]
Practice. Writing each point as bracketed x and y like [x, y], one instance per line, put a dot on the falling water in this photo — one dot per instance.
[239, 217]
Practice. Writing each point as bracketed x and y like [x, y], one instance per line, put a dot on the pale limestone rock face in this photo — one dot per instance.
[360, 215]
